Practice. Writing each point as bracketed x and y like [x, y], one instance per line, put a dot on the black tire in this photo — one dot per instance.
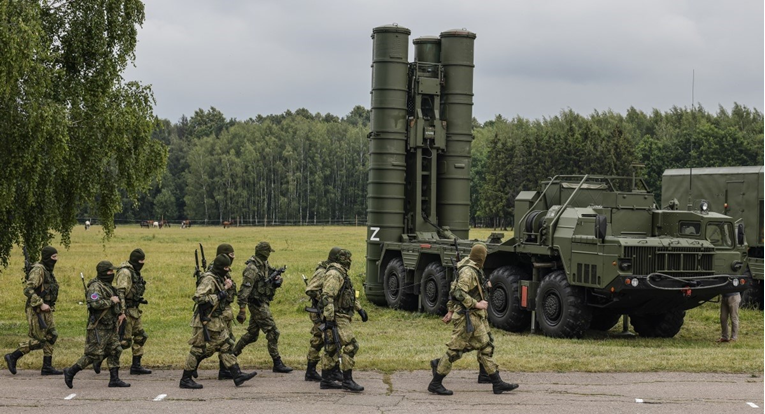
[663, 325]
[561, 310]
[434, 289]
[505, 310]
[394, 281]
[604, 321]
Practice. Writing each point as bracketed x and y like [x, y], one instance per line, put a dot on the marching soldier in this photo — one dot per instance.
[41, 290]
[338, 300]
[316, 343]
[210, 334]
[106, 315]
[228, 313]
[256, 293]
[468, 297]
[131, 287]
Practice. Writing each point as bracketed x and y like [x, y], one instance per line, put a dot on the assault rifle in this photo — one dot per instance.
[204, 261]
[335, 338]
[92, 317]
[204, 317]
[276, 274]
[197, 271]
[27, 269]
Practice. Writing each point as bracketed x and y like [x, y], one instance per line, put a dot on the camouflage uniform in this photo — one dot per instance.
[209, 296]
[40, 287]
[256, 293]
[228, 314]
[316, 343]
[102, 338]
[131, 287]
[338, 300]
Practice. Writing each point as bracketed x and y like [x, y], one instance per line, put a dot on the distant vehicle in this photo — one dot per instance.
[733, 191]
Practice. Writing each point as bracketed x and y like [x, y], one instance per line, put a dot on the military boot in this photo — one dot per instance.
[435, 385]
[348, 382]
[47, 367]
[483, 376]
[327, 382]
[310, 372]
[187, 382]
[223, 373]
[280, 367]
[69, 374]
[239, 376]
[336, 374]
[10, 360]
[499, 386]
[114, 379]
[136, 368]
[97, 366]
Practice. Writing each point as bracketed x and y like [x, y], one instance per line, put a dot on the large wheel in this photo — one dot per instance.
[394, 282]
[662, 325]
[561, 310]
[505, 310]
[434, 289]
[603, 320]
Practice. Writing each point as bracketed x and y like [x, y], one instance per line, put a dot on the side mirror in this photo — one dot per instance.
[601, 225]
[741, 238]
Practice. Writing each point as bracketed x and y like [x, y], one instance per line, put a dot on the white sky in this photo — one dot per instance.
[533, 58]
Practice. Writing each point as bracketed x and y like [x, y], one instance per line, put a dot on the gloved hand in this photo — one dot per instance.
[329, 325]
[278, 282]
[242, 316]
[222, 295]
[363, 314]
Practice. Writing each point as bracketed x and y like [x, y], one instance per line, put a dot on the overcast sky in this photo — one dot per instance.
[532, 58]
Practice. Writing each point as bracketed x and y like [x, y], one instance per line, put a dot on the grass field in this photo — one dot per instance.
[390, 341]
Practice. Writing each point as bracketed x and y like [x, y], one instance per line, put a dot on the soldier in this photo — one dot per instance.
[107, 313]
[316, 343]
[338, 300]
[41, 290]
[209, 333]
[256, 293]
[468, 296]
[228, 313]
[131, 287]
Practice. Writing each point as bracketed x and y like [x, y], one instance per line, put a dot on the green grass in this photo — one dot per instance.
[390, 341]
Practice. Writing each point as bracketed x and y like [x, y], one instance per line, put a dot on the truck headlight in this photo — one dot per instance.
[704, 206]
[734, 281]
[634, 282]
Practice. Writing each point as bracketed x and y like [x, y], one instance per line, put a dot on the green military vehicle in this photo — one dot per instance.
[733, 191]
[586, 249]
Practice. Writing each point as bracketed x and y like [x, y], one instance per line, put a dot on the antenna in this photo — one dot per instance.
[693, 133]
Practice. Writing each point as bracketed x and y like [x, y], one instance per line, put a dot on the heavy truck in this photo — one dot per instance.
[585, 250]
[733, 191]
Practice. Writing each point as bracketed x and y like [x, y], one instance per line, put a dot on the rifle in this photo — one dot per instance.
[327, 341]
[276, 273]
[92, 318]
[204, 261]
[27, 264]
[204, 317]
[197, 272]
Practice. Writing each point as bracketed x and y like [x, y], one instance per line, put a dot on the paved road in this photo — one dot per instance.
[402, 392]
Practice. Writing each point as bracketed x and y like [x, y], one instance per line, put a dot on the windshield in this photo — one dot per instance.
[690, 228]
[720, 234]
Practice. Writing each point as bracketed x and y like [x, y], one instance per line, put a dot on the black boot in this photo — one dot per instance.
[499, 386]
[97, 366]
[136, 368]
[280, 367]
[187, 382]
[47, 368]
[10, 360]
[223, 373]
[69, 374]
[310, 372]
[239, 376]
[114, 379]
[327, 382]
[435, 385]
[483, 376]
[336, 374]
[348, 382]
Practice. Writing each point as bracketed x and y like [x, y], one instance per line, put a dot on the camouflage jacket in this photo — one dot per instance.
[315, 283]
[337, 293]
[207, 292]
[231, 291]
[103, 312]
[40, 286]
[467, 289]
[254, 286]
[130, 285]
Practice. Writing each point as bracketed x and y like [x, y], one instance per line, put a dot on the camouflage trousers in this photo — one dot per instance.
[228, 319]
[317, 339]
[39, 338]
[260, 320]
[135, 336]
[219, 342]
[349, 346]
[479, 340]
[105, 344]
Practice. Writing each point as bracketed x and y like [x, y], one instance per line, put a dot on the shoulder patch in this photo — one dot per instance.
[94, 296]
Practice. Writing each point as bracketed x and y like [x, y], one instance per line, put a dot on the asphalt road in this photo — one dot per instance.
[401, 392]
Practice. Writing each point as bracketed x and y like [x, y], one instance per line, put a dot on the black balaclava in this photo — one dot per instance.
[47, 253]
[263, 250]
[226, 249]
[222, 261]
[105, 271]
[135, 257]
